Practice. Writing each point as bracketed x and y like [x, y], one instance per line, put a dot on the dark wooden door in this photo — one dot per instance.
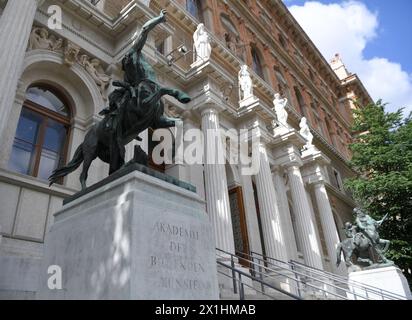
[237, 210]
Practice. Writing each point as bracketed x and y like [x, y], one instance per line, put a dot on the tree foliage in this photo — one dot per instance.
[382, 155]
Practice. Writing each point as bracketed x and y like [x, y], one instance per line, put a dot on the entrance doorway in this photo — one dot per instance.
[237, 210]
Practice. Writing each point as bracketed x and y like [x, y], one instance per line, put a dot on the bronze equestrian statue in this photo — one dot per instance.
[364, 243]
[134, 107]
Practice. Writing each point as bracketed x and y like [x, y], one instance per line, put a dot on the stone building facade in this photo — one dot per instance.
[54, 82]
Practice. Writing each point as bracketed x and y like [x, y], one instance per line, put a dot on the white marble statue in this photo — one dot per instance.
[245, 83]
[201, 40]
[305, 133]
[280, 109]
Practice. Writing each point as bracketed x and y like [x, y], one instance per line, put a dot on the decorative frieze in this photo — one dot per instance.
[71, 52]
[41, 39]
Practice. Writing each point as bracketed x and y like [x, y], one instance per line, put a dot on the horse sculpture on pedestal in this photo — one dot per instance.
[134, 107]
[363, 243]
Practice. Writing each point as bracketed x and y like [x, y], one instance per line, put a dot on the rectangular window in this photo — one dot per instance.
[338, 179]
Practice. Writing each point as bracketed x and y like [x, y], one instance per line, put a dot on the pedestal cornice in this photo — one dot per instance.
[286, 149]
[314, 171]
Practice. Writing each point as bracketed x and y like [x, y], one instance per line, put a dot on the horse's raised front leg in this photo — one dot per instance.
[155, 97]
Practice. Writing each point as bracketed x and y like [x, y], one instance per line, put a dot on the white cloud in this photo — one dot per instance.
[346, 28]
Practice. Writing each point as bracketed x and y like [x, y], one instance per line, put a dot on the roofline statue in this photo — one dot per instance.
[134, 106]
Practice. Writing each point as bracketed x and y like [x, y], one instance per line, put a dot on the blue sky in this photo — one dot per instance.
[374, 38]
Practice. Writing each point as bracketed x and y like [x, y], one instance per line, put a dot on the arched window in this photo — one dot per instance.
[257, 63]
[40, 143]
[282, 84]
[301, 102]
[194, 7]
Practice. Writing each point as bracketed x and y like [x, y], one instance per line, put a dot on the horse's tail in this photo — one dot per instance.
[70, 167]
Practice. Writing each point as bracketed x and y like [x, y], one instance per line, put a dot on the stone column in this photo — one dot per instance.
[304, 223]
[7, 139]
[328, 225]
[285, 214]
[274, 237]
[217, 195]
[15, 26]
[194, 172]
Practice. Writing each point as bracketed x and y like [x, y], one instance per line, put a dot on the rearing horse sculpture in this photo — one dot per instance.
[139, 108]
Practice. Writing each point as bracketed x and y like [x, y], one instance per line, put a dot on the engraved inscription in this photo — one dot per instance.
[177, 258]
[174, 230]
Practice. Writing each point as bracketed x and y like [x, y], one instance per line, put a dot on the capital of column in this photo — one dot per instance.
[317, 157]
[287, 156]
[290, 137]
[318, 184]
[208, 109]
[293, 166]
[314, 168]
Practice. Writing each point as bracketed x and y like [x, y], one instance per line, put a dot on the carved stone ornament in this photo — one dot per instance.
[94, 68]
[71, 52]
[41, 39]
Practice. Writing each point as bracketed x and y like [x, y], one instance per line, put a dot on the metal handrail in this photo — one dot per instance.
[321, 272]
[304, 275]
[244, 274]
[382, 292]
[345, 281]
[298, 281]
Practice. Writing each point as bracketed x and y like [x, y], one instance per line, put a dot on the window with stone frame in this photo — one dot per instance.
[317, 118]
[160, 46]
[41, 139]
[301, 101]
[283, 87]
[329, 130]
[232, 37]
[257, 65]
[337, 179]
[194, 7]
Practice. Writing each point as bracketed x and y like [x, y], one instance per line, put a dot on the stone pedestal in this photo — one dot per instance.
[281, 130]
[199, 63]
[248, 102]
[137, 237]
[388, 279]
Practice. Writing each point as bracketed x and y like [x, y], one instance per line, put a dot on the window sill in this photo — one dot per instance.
[35, 184]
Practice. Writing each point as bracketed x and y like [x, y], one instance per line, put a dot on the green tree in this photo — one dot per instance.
[382, 155]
